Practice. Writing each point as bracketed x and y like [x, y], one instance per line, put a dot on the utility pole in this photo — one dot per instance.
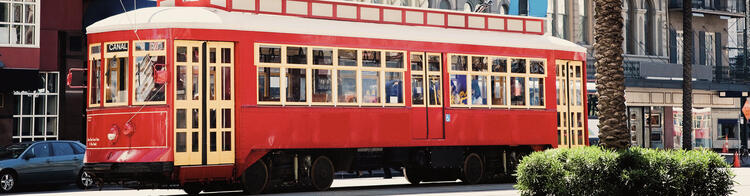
[687, 75]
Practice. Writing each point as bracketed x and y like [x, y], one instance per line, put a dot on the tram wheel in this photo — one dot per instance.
[255, 178]
[192, 188]
[412, 175]
[322, 173]
[473, 169]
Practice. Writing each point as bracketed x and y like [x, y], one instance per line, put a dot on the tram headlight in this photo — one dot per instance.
[112, 135]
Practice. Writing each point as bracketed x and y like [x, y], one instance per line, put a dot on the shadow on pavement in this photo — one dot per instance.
[401, 189]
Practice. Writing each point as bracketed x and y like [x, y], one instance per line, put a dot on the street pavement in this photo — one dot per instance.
[359, 187]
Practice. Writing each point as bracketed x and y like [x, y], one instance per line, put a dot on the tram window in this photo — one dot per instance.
[194, 142]
[394, 59]
[433, 62]
[181, 145]
[196, 55]
[269, 85]
[458, 62]
[536, 91]
[579, 94]
[226, 83]
[226, 55]
[517, 91]
[435, 90]
[499, 65]
[95, 81]
[458, 89]
[226, 118]
[370, 58]
[370, 87]
[394, 82]
[479, 63]
[150, 78]
[296, 55]
[212, 83]
[498, 90]
[116, 83]
[212, 142]
[212, 118]
[347, 86]
[181, 54]
[270, 54]
[196, 118]
[347, 57]
[536, 67]
[518, 66]
[322, 56]
[557, 91]
[322, 86]
[479, 90]
[296, 85]
[417, 62]
[181, 119]
[212, 55]
[181, 82]
[196, 79]
[226, 141]
[417, 90]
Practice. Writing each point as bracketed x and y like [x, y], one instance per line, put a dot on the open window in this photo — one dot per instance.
[95, 71]
[150, 74]
[116, 73]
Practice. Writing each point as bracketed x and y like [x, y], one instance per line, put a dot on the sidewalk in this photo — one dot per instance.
[743, 181]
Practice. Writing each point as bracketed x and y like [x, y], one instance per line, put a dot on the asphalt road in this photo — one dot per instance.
[355, 187]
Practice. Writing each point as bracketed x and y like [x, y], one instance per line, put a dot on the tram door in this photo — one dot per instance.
[570, 116]
[427, 94]
[204, 118]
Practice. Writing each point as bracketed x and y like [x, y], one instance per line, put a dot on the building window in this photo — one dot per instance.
[678, 46]
[630, 28]
[582, 21]
[558, 23]
[523, 7]
[19, 23]
[650, 28]
[728, 129]
[37, 112]
[710, 49]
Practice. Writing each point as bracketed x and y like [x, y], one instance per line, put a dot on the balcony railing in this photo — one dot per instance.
[734, 6]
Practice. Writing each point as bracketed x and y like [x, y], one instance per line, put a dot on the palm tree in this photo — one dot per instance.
[610, 76]
[687, 78]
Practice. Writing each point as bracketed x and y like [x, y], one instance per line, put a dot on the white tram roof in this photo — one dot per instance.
[211, 18]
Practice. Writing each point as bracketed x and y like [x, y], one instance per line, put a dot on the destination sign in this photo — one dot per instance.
[117, 47]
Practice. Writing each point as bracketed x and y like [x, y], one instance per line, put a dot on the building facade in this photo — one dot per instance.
[39, 41]
[652, 48]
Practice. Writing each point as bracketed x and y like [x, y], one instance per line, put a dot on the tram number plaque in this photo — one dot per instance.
[117, 47]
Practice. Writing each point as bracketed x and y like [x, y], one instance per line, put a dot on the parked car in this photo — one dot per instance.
[42, 162]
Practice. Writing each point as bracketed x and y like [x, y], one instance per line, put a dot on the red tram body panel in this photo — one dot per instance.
[132, 137]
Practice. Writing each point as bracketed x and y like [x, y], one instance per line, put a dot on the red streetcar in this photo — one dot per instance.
[262, 94]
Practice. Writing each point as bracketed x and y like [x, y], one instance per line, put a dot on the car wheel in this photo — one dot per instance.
[85, 180]
[7, 182]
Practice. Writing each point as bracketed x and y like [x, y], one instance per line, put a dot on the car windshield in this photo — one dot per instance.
[13, 151]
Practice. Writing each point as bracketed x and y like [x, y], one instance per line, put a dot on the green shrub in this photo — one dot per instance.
[636, 171]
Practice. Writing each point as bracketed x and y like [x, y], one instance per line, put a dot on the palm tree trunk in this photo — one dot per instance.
[610, 76]
[687, 78]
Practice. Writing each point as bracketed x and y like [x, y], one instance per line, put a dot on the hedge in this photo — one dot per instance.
[636, 171]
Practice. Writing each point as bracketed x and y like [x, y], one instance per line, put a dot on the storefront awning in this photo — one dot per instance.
[20, 80]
